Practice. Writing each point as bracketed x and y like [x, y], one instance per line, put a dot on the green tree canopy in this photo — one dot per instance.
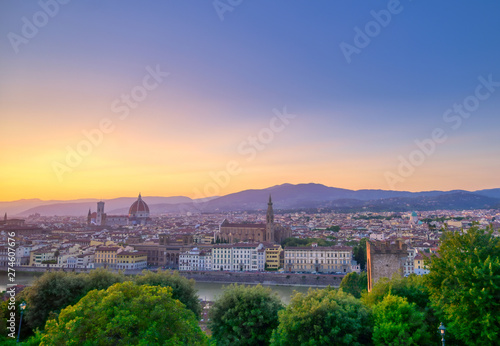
[49, 294]
[125, 314]
[412, 288]
[100, 279]
[291, 242]
[464, 285]
[182, 288]
[53, 291]
[244, 315]
[359, 253]
[398, 322]
[323, 317]
[354, 283]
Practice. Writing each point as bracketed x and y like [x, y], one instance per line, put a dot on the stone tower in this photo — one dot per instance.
[270, 221]
[383, 259]
[100, 214]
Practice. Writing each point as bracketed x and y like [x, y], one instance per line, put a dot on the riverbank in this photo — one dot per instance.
[266, 278]
[223, 277]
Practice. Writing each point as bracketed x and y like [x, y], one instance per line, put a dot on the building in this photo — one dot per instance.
[203, 239]
[254, 232]
[238, 257]
[79, 261]
[319, 259]
[162, 254]
[131, 260]
[420, 263]
[273, 254]
[195, 259]
[384, 259]
[11, 222]
[409, 262]
[413, 218]
[43, 257]
[138, 214]
[106, 256]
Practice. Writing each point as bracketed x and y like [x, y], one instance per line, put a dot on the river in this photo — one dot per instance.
[206, 290]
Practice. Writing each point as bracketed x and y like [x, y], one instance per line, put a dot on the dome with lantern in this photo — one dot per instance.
[138, 212]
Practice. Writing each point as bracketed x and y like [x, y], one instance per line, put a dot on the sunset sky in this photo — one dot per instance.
[196, 99]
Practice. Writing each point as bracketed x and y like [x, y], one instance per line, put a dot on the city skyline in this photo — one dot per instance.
[102, 100]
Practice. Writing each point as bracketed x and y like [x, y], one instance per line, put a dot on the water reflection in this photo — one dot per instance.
[206, 290]
[210, 290]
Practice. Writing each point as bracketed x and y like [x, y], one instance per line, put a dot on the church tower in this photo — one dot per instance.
[89, 218]
[270, 221]
[100, 214]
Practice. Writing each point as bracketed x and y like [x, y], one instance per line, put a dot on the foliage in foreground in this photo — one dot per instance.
[323, 317]
[53, 291]
[244, 315]
[398, 322]
[182, 288]
[125, 314]
[355, 284]
[464, 285]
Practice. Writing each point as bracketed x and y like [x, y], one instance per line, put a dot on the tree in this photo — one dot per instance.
[323, 317]
[412, 288]
[53, 291]
[354, 283]
[398, 322]
[244, 315]
[125, 314]
[49, 294]
[101, 279]
[290, 242]
[464, 285]
[182, 288]
[359, 253]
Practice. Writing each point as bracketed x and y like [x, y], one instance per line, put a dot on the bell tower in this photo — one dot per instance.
[270, 221]
[100, 214]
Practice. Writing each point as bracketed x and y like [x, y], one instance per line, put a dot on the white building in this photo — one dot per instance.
[319, 259]
[409, 262]
[195, 259]
[239, 257]
[377, 236]
[23, 255]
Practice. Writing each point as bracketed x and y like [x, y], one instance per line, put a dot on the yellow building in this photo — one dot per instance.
[273, 254]
[421, 261]
[38, 257]
[105, 256]
[132, 260]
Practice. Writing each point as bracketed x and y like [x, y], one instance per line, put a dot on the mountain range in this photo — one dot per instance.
[285, 197]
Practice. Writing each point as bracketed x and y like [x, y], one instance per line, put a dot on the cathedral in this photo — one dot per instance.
[270, 232]
[138, 214]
